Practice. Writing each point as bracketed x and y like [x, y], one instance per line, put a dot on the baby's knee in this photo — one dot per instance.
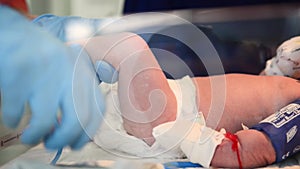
[133, 41]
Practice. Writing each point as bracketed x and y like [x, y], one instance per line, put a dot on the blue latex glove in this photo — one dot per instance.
[70, 28]
[38, 69]
[106, 72]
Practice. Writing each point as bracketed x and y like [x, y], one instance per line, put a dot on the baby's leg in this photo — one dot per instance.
[145, 98]
[272, 140]
[249, 99]
[254, 148]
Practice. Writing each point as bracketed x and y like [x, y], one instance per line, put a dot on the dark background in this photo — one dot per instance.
[244, 45]
[134, 6]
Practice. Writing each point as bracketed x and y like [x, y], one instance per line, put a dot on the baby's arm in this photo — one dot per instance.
[146, 99]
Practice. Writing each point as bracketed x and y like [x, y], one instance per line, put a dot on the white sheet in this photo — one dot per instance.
[39, 158]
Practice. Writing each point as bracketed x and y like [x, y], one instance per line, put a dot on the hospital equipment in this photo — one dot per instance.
[282, 128]
[10, 145]
[57, 156]
[181, 164]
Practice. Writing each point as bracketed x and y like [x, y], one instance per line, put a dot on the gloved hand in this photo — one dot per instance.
[106, 72]
[69, 28]
[38, 69]
[72, 28]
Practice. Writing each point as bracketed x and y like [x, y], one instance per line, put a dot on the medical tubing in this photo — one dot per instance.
[59, 151]
[57, 156]
[181, 164]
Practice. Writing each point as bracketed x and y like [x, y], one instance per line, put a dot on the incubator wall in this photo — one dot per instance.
[245, 37]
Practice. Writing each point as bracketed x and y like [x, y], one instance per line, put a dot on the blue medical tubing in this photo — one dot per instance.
[57, 156]
[59, 151]
[181, 164]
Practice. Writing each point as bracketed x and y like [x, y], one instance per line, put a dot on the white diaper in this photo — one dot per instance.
[187, 136]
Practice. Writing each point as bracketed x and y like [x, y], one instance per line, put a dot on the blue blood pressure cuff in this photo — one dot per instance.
[283, 130]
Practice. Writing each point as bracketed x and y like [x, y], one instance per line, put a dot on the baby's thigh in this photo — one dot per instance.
[249, 99]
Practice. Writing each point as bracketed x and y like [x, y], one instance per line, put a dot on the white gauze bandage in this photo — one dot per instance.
[189, 132]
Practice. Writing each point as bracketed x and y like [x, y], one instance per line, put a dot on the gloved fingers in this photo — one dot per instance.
[82, 140]
[93, 124]
[44, 108]
[76, 109]
[78, 103]
[13, 103]
[69, 128]
[106, 72]
[87, 134]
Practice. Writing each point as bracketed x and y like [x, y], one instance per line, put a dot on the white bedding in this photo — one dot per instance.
[39, 158]
[92, 155]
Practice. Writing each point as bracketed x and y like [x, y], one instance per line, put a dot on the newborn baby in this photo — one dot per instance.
[189, 135]
[185, 117]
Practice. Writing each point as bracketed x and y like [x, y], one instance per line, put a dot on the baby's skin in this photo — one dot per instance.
[146, 100]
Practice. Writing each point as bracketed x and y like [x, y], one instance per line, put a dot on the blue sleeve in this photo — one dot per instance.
[60, 26]
[69, 28]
